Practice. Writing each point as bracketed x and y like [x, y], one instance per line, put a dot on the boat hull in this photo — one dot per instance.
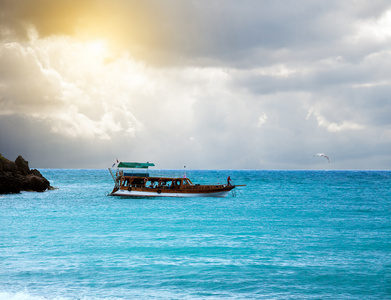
[140, 193]
[143, 185]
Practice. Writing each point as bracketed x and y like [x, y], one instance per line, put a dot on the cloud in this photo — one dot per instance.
[35, 82]
[214, 33]
[209, 85]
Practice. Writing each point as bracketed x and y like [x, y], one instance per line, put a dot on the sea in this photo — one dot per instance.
[285, 235]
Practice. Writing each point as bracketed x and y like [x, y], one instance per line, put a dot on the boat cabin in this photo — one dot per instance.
[153, 182]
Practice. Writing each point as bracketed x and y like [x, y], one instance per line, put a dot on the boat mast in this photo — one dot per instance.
[112, 175]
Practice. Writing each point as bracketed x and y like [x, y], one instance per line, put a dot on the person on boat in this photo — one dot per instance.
[229, 180]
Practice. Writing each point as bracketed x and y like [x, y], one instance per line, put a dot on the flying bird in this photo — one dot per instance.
[322, 154]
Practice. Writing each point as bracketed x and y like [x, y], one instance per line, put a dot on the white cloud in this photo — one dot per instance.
[83, 96]
[262, 120]
[342, 125]
[378, 30]
[259, 86]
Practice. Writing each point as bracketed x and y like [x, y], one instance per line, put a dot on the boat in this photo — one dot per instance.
[131, 179]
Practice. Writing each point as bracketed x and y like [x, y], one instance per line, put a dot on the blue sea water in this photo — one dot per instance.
[286, 235]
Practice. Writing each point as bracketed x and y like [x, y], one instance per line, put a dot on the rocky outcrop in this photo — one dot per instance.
[17, 176]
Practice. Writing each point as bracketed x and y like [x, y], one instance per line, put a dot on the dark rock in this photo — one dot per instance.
[8, 166]
[17, 176]
[36, 173]
[9, 183]
[35, 183]
[22, 165]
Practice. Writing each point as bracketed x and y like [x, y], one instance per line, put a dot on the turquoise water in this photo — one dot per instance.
[286, 235]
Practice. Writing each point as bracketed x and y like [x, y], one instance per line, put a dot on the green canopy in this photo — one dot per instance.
[135, 165]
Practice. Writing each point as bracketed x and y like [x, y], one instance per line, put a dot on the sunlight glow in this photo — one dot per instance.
[97, 47]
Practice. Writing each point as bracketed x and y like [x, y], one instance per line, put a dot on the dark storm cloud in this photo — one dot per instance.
[34, 140]
[221, 32]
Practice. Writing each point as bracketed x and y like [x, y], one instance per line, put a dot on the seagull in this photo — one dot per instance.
[322, 154]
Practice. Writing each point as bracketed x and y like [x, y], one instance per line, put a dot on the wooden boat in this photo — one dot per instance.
[140, 184]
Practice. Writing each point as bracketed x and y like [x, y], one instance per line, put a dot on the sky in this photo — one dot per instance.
[252, 84]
